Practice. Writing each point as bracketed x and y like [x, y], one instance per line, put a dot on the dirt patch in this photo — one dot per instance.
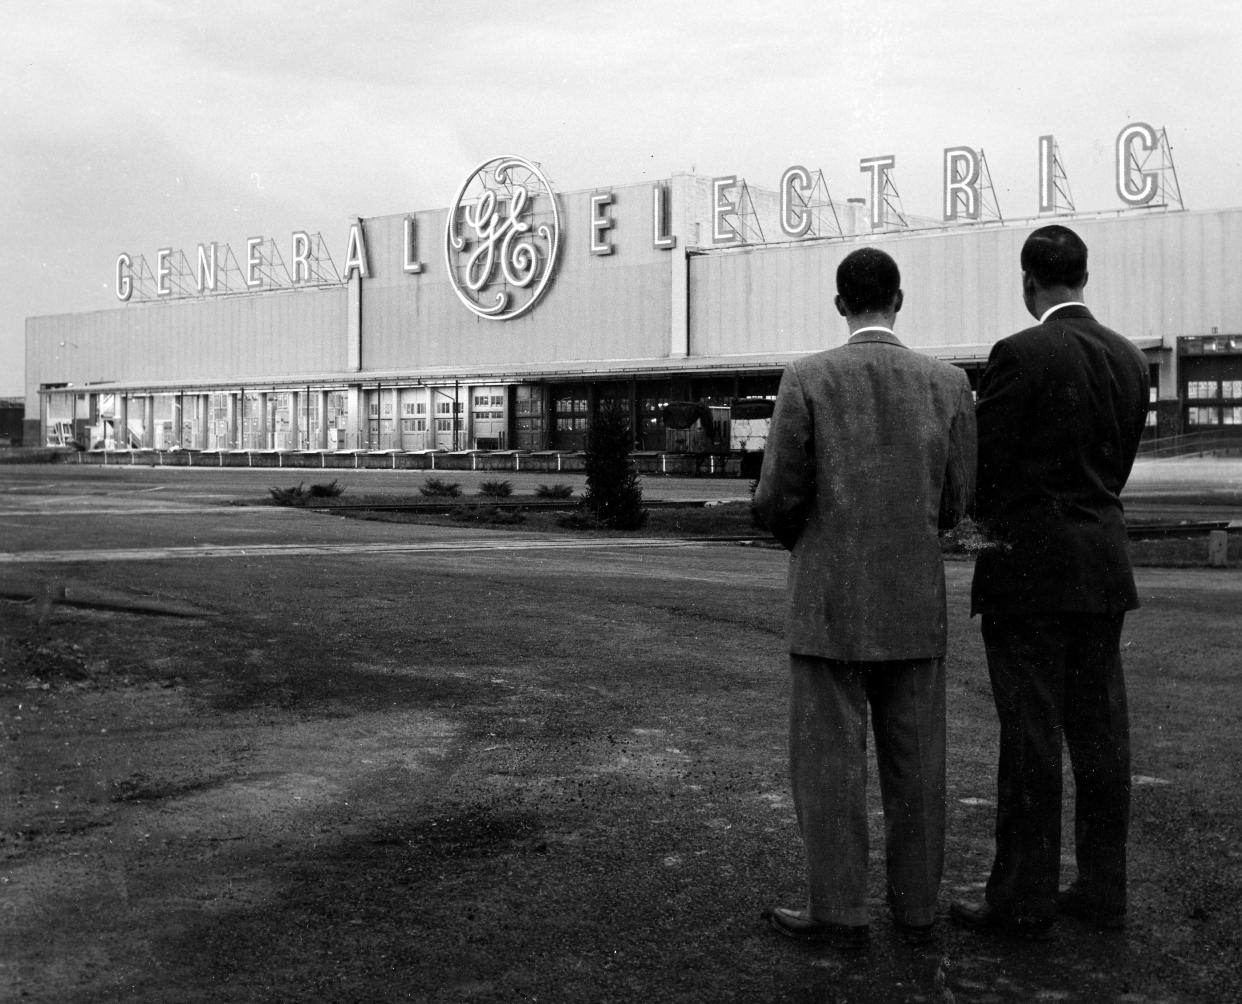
[533, 777]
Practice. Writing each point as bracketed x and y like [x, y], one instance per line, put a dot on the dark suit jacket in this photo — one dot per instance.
[1060, 408]
[871, 449]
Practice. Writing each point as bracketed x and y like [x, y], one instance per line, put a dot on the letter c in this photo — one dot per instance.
[1128, 167]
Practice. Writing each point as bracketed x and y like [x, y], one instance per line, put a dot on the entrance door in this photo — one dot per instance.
[571, 415]
[487, 418]
[447, 410]
[413, 420]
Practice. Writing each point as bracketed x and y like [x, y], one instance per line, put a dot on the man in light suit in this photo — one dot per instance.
[871, 451]
[1061, 410]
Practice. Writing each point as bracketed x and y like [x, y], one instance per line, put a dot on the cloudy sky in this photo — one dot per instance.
[131, 125]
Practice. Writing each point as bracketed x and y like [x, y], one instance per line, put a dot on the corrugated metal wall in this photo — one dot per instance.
[598, 307]
[1156, 275]
[1151, 275]
[254, 336]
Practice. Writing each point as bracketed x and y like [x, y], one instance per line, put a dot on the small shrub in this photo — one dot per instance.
[496, 489]
[557, 491]
[755, 519]
[436, 488]
[580, 519]
[290, 496]
[328, 491]
[489, 514]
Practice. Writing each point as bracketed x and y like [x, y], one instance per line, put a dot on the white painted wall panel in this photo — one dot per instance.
[597, 307]
[256, 336]
[1152, 275]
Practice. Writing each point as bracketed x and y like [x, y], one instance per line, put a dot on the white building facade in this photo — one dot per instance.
[502, 322]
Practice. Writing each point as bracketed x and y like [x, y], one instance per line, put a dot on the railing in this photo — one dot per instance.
[723, 464]
[1192, 444]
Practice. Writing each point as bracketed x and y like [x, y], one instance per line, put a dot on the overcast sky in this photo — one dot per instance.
[131, 125]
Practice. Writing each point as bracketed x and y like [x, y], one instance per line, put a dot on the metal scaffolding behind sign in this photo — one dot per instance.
[219, 271]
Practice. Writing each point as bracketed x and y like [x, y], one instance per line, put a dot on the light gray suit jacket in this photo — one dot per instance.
[871, 452]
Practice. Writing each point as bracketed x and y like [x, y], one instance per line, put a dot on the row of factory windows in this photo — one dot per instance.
[535, 416]
[1212, 384]
[530, 416]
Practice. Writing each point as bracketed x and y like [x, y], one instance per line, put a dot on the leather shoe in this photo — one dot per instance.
[1074, 902]
[988, 920]
[797, 925]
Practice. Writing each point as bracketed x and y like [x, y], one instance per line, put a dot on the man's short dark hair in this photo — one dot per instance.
[1055, 256]
[867, 280]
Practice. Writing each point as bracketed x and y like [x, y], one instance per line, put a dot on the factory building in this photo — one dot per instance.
[500, 323]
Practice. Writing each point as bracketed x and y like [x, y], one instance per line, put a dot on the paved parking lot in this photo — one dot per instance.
[374, 761]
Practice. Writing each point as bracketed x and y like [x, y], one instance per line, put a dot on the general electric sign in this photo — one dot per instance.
[504, 228]
[502, 236]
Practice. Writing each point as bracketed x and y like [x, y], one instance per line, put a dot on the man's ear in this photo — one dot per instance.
[898, 300]
[1028, 284]
[1085, 277]
[840, 305]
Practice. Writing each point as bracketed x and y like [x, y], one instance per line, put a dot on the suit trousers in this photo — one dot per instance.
[828, 769]
[1056, 675]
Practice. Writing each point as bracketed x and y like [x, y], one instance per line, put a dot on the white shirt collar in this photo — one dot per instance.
[873, 327]
[1067, 303]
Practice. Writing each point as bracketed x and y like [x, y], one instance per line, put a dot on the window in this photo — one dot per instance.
[444, 425]
[1231, 389]
[1203, 416]
[338, 410]
[1198, 390]
[1231, 416]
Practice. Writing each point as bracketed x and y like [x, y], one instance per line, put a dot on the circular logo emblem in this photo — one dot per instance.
[501, 239]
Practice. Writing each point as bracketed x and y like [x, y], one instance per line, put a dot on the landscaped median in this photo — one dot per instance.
[1153, 542]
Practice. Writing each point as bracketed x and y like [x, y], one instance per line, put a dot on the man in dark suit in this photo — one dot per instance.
[871, 448]
[1061, 407]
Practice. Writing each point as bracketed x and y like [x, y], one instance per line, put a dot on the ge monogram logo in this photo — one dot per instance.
[501, 240]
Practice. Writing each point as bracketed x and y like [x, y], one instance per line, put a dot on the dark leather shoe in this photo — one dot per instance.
[1074, 902]
[796, 924]
[986, 920]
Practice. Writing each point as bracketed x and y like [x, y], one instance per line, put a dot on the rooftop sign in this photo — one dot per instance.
[502, 237]
[503, 233]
